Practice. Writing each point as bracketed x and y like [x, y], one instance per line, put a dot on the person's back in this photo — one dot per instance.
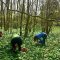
[16, 40]
[42, 34]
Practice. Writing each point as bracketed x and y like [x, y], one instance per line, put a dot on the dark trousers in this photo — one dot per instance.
[14, 47]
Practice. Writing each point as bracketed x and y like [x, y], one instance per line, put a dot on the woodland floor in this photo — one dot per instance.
[49, 52]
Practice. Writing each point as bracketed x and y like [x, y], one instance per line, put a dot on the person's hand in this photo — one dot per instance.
[37, 44]
[24, 49]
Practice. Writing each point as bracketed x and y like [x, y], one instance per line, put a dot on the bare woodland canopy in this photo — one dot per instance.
[29, 14]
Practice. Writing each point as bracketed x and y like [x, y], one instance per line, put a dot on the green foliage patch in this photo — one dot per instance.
[49, 52]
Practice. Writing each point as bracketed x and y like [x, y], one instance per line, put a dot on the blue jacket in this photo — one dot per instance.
[41, 35]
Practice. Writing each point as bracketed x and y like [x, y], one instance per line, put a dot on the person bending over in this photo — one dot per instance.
[40, 38]
[16, 42]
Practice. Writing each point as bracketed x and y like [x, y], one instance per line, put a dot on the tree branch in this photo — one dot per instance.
[26, 13]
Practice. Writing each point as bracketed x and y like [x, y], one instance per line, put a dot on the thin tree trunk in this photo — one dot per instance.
[35, 17]
[11, 26]
[1, 14]
[27, 21]
[23, 9]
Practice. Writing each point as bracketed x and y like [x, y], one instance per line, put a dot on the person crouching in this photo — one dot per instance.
[16, 41]
[40, 38]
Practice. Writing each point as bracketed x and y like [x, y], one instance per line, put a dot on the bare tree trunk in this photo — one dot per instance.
[11, 24]
[6, 16]
[1, 13]
[27, 21]
[23, 9]
[35, 17]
